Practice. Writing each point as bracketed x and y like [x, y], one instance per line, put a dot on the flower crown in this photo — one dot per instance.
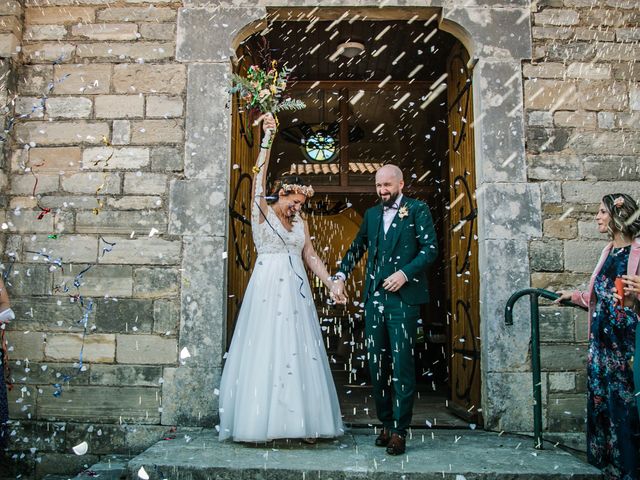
[306, 190]
[618, 202]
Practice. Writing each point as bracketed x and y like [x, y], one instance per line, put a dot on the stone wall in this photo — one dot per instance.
[582, 99]
[100, 140]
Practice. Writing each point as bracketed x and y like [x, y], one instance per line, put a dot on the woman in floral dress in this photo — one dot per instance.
[613, 423]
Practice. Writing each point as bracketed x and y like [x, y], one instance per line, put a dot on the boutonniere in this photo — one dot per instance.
[403, 211]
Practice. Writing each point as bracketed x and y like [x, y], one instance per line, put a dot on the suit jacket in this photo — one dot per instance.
[414, 247]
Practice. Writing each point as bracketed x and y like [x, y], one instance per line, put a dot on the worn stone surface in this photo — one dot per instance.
[154, 251]
[119, 106]
[156, 282]
[124, 315]
[546, 256]
[131, 78]
[167, 159]
[187, 395]
[66, 347]
[81, 78]
[120, 222]
[512, 211]
[132, 375]
[196, 209]
[147, 350]
[582, 255]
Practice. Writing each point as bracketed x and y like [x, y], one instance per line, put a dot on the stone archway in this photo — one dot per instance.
[509, 208]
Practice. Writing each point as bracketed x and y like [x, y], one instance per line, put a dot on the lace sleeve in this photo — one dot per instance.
[257, 195]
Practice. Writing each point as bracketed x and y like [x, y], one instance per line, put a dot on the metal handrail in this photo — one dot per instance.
[534, 296]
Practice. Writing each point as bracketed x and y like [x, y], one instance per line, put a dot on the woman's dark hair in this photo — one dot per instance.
[624, 213]
[277, 185]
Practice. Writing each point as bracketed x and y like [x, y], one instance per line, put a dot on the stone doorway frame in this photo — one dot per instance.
[498, 32]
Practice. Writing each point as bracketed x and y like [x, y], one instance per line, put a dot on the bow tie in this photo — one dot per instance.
[392, 207]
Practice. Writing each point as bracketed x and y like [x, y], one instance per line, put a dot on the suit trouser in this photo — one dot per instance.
[390, 330]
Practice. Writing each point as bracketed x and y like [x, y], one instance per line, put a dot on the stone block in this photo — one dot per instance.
[130, 375]
[589, 71]
[627, 35]
[544, 70]
[121, 132]
[125, 315]
[66, 347]
[58, 15]
[71, 248]
[10, 7]
[169, 79]
[509, 398]
[106, 31]
[26, 203]
[546, 256]
[589, 229]
[610, 167]
[110, 158]
[55, 159]
[147, 349]
[119, 106]
[158, 31]
[558, 17]
[634, 96]
[617, 143]
[207, 124]
[27, 222]
[195, 209]
[109, 404]
[587, 34]
[164, 106]
[562, 229]
[606, 120]
[11, 25]
[131, 202]
[562, 382]
[151, 251]
[25, 184]
[69, 107]
[48, 52]
[114, 221]
[75, 202]
[558, 281]
[561, 358]
[202, 38]
[186, 396]
[552, 33]
[540, 118]
[137, 14]
[168, 159]
[90, 182]
[40, 435]
[30, 107]
[28, 279]
[617, 52]
[32, 373]
[513, 211]
[550, 94]
[63, 464]
[557, 324]
[99, 280]
[145, 183]
[582, 255]
[58, 133]
[626, 120]
[567, 412]
[202, 321]
[137, 52]
[34, 79]
[148, 132]
[592, 192]
[606, 17]
[551, 192]
[26, 345]
[594, 95]
[579, 119]
[166, 317]
[156, 282]
[85, 79]
[45, 32]
[555, 167]
[22, 404]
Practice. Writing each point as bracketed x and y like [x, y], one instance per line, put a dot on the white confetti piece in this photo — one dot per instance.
[184, 353]
[142, 473]
[81, 448]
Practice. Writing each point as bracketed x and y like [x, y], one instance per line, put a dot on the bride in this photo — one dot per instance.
[276, 381]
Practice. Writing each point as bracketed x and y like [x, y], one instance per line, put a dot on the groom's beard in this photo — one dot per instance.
[392, 199]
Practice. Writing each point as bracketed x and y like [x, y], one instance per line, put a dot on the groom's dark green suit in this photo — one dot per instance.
[409, 245]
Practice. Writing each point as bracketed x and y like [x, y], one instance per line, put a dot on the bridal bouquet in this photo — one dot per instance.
[263, 91]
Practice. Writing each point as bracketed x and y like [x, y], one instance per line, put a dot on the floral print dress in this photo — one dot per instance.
[613, 426]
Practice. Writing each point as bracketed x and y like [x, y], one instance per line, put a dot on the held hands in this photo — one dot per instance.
[336, 291]
[394, 282]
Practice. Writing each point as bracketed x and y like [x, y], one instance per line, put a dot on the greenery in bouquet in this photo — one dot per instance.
[262, 91]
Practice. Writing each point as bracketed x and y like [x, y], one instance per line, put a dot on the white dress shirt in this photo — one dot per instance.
[390, 213]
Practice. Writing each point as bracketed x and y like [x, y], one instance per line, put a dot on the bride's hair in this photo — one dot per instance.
[290, 184]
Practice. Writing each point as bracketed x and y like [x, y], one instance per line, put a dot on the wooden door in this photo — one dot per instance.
[245, 145]
[462, 244]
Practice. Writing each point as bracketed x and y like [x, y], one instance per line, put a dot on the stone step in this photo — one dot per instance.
[431, 454]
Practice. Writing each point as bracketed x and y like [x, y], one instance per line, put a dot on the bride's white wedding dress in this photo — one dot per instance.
[276, 382]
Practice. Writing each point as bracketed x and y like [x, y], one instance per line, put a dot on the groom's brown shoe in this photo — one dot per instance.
[396, 445]
[383, 438]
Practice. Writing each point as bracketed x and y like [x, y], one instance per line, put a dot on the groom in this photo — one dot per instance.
[401, 241]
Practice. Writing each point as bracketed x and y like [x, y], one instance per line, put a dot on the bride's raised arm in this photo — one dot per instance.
[259, 184]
